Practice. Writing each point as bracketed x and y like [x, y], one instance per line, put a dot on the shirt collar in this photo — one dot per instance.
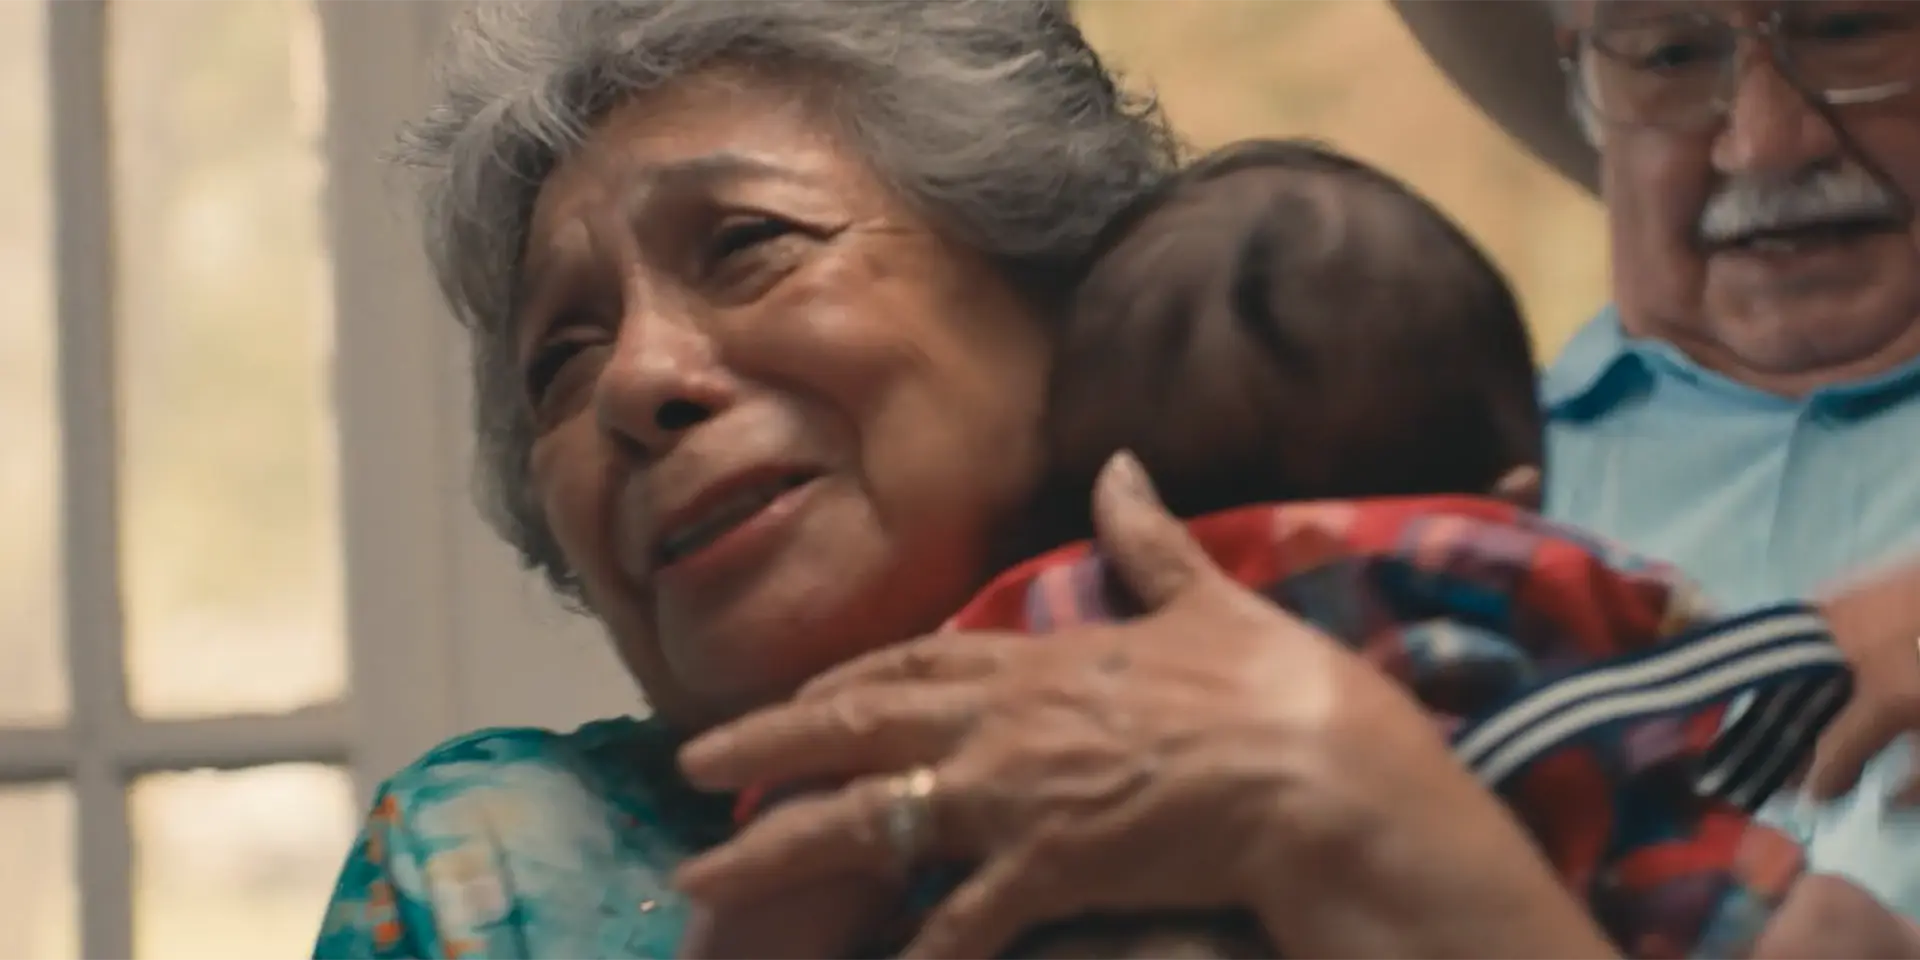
[1594, 372]
[1596, 350]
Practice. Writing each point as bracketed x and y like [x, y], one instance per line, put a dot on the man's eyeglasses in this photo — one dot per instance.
[1680, 70]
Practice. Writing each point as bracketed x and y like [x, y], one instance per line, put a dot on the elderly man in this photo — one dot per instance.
[1749, 405]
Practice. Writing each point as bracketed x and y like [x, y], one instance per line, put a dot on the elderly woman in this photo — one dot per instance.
[760, 297]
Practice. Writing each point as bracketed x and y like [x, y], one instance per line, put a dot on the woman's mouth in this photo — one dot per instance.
[730, 520]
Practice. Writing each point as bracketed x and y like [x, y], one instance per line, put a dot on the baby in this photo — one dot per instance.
[1329, 377]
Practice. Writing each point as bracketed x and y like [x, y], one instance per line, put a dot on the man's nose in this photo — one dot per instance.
[1771, 130]
[664, 378]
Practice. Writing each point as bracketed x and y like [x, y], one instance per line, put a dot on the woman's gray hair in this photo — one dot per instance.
[994, 117]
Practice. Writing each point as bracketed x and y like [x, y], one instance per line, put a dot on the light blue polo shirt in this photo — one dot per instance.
[1759, 498]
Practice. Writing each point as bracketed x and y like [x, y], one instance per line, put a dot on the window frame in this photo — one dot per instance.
[392, 508]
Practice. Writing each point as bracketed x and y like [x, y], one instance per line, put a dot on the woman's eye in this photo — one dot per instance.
[547, 363]
[740, 235]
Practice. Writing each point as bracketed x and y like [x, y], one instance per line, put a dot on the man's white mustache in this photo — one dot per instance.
[1746, 206]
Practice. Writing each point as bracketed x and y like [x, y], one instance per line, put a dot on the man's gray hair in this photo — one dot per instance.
[1565, 13]
[993, 117]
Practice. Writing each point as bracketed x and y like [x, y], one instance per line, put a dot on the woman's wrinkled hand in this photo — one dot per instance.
[1215, 753]
[831, 917]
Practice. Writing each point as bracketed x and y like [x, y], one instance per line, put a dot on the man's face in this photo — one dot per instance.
[1763, 241]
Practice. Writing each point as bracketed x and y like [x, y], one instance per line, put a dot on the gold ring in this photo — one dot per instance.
[909, 826]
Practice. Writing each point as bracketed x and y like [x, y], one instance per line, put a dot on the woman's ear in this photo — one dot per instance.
[1520, 487]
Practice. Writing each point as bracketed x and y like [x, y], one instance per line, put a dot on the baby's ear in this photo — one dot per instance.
[1520, 487]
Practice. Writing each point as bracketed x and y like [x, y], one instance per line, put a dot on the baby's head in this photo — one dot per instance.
[1280, 322]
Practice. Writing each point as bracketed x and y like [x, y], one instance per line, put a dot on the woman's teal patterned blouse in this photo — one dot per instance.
[525, 843]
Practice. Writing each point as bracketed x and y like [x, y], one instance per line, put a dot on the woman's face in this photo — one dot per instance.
[779, 419]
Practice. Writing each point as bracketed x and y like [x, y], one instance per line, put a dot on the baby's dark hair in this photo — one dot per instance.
[1281, 322]
[1278, 322]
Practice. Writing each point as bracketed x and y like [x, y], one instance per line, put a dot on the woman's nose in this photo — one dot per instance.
[664, 379]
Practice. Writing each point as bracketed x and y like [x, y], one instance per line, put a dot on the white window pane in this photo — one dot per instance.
[236, 863]
[32, 679]
[231, 551]
[39, 916]
[1350, 74]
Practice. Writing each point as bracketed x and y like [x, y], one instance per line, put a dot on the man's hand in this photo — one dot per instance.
[1877, 622]
[1827, 917]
